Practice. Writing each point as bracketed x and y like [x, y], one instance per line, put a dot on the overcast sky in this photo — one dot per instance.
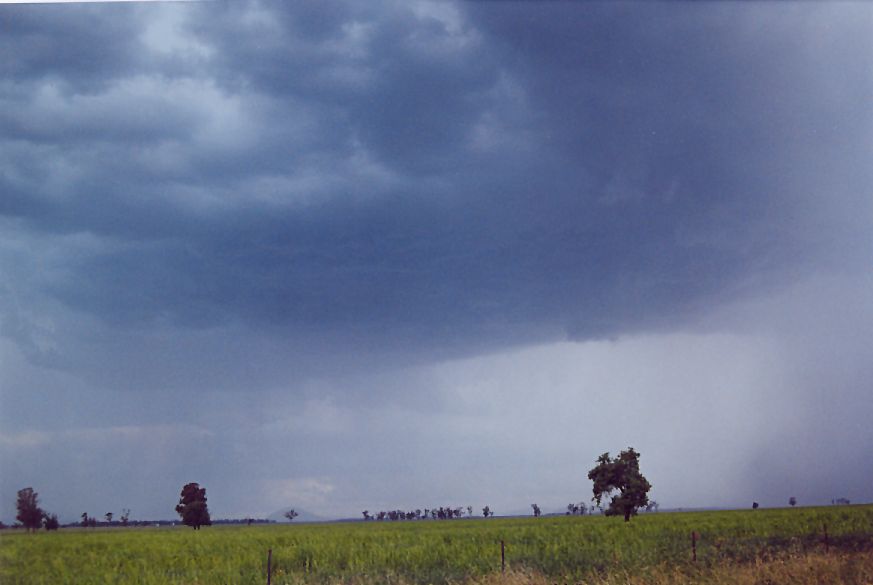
[348, 256]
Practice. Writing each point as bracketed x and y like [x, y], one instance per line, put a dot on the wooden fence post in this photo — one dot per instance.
[269, 565]
[502, 557]
[826, 543]
[694, 546]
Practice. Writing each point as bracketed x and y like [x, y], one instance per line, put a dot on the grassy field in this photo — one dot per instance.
[651, 548]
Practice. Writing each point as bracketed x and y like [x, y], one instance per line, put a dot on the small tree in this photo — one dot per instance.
[29, 513]
[291, 514]
[50, 521]
[536, 510]
[125, 516]
[486, 512]
[754, 505]
[622, 474]
[792, 501]
[192, 506]
[108, 517]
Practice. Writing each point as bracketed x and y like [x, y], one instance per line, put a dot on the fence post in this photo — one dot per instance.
[269, 565]
[826, 543]
[502, 557]
[694, 546]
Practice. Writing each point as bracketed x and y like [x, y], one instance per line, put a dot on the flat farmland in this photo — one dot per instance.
[651, 548]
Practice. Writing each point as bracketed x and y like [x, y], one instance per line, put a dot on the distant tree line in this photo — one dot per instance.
[617, 480]
[441, 513]
[248, 521]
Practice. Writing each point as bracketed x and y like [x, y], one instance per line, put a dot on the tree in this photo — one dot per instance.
[754, 505]
[88, 521]
[622, 474]
[29, 513]
[108, 517]
[50, 521]
[792, 501]
[125, 516]
[536, 510]
[192, 506]
[291, 514]
[486, 512]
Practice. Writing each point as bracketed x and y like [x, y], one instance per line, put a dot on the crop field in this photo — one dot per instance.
[546, 550]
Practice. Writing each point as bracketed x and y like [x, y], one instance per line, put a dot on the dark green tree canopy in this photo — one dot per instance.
[50, 521]
[192, 506]
[29, 513]
[621, 474]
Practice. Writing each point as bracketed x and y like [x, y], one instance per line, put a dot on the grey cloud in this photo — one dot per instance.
[142, 459]
[70, 43]
[819, 436]
[641, 187]
[695, 107]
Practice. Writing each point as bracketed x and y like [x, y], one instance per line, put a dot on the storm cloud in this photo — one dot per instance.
[362, 242]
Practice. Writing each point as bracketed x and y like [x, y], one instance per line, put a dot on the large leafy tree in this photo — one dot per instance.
[621, 474]
[29, 513]
[192, 506]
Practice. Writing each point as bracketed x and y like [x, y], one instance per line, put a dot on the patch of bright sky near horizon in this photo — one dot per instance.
[399, 255]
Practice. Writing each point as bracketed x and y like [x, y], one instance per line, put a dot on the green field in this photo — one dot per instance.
[569, 548]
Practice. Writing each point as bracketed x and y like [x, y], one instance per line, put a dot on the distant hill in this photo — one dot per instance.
[303, 516]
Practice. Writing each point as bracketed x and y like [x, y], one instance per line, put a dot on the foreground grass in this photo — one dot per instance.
[654, 548]
[806, 569]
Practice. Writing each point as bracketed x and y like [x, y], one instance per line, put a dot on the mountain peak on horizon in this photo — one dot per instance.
[302, 516]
